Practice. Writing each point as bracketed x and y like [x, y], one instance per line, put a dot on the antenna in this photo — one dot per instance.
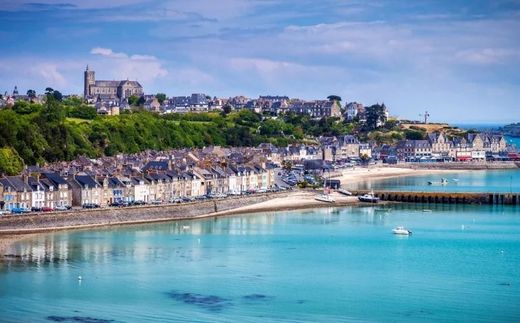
[425, 115]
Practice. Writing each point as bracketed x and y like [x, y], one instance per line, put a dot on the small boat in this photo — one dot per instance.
[402, 231]
[185, 227]
[444, 181]
[430, 183]
[369, 197]
[324, 198]
[455, 179]
[344, 192]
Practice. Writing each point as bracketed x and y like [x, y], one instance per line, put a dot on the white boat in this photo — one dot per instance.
[324, 198]
[402, 231]
[369, 197]
[344, 192]
[444, 181]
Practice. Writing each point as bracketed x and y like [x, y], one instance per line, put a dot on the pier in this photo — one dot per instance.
[446, 197]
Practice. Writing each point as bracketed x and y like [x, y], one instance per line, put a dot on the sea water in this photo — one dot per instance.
[461, 264]
[495, 181]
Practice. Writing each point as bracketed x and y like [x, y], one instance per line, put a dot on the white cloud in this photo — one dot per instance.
[487, 56]
[145, 68]
[51, 74]
[107, 52]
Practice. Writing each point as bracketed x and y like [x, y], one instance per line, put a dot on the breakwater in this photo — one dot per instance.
[446, 197]
[43, 222]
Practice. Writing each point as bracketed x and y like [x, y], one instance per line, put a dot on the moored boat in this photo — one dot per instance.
[344, 192]
[369, 197]
[402, 231]
[324, 198]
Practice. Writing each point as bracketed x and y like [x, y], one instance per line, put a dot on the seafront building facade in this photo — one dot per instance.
[153, 176]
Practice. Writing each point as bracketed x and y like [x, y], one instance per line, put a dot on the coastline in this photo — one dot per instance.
[285, 201]
[27, 226]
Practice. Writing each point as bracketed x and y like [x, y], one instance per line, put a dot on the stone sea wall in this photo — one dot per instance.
[33, 223]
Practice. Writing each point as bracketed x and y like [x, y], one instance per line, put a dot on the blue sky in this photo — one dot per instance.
[458, 59]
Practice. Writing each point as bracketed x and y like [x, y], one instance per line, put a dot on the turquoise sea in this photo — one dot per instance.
[462, 264]
[504, 181]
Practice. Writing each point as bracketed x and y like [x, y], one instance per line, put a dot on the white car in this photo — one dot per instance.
[4, 212]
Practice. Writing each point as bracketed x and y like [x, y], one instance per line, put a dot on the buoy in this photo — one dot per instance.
[79, 278]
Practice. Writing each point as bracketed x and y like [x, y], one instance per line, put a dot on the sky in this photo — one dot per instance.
[460, 60]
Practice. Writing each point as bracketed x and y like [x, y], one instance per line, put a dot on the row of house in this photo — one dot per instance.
[157, 182]
[476, 146]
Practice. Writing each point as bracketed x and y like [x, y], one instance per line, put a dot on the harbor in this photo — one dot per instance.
[445, 197]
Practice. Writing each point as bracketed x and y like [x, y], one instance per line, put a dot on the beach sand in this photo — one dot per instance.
[359, 174]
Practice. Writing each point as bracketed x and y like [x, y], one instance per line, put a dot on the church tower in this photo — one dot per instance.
[89, 80]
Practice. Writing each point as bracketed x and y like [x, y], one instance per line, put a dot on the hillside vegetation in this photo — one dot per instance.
[62, 130]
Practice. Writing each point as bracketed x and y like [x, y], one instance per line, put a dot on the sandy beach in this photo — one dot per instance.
[359, 174]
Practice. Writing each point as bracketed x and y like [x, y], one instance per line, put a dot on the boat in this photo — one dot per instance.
[455, 179]
[402, 231]
[444, 181]
[430, 183]
[324, 198]
[344, 192]
[368, 197]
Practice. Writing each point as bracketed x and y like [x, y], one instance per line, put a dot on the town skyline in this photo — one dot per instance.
[457, 61]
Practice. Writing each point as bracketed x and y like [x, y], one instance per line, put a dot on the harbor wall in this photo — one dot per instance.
[42, 222]
[446, 197]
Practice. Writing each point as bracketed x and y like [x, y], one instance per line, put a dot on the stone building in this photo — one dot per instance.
[109, 89]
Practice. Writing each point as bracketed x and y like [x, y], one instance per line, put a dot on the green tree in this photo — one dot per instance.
[31, 94]
[141, 101]
[133, 100]
[226, 109]
[10, 161]
[375, 115]
[334, 98]
[161, 97]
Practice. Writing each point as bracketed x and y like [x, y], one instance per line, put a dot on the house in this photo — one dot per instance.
[441, 146]
[57, 190]
[141, 188]
[152, 104]
[353, 110]
[17, 193]
[316, 109]
[86, 190]
[411, 150]
[38, 192]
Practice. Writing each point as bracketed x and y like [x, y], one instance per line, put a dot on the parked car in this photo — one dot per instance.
[90, 206]
[36, 209]
[155, 202]
[175, 200]
[119, 204]
[48, 209]
[4, 212]
[63, 207]
[138, 202]
[19, 210]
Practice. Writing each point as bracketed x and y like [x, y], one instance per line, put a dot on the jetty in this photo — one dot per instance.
[445, 197]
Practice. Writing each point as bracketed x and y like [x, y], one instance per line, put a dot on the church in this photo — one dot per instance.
[109, 89]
